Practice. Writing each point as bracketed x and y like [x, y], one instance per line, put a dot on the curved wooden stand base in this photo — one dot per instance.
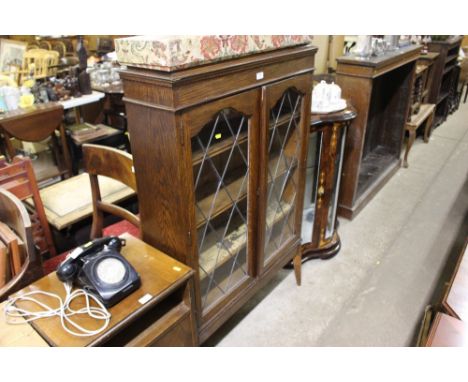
[325, 253]
[310, 253]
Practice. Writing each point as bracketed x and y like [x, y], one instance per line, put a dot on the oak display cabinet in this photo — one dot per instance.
[219, 153]
[379, 88]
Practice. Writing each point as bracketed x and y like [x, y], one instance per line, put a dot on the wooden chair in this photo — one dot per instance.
[115, 164]
[18, 178]
[13, 213]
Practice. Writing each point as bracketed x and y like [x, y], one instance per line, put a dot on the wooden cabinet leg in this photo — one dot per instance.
[412, 137]
[428, 127]
[297, 261]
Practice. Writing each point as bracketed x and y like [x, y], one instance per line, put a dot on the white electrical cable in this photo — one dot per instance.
[64, 311]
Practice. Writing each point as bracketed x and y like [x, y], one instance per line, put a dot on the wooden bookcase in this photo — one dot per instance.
[219, 153]
[379, 88]
[444, 76]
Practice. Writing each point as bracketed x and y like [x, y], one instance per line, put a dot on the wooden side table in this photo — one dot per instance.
[425, 116]
[324, 164]
[18, 335]
[35, 124]
[159, 313]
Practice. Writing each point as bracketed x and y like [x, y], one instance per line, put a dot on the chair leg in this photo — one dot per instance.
[466, 93]
[411, 138]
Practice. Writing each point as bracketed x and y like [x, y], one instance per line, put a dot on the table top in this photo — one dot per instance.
[109, 89]
[83, 100]
[70, 201]
[447, 331]
[19, 334]
[455, 300]
[32, 110]
[159, 273]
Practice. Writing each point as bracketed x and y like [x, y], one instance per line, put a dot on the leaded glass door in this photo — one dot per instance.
[283, 144]
[223, 180]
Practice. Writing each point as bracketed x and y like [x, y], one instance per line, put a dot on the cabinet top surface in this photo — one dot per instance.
[379, 61]
[171, 53]
[159, 273]
[449, 41]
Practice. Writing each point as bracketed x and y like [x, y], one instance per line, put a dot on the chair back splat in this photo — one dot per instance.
[115, 164]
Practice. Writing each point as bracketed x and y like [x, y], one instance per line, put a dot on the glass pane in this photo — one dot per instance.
[336, 184]
[283, 152]
[220, 171]
[310, 195]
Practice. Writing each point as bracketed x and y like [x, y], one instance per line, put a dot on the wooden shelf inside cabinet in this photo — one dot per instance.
[218, 148]
[218, 254]
[235, 192]
[442, 96]
[448, 69]
[283, 119]
[451, 57]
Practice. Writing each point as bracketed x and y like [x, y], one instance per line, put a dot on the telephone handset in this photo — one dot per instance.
[99, 268]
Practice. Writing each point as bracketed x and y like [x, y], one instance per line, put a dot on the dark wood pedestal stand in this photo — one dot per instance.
[324, 165]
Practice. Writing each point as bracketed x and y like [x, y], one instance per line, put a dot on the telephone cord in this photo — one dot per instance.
[64, 311]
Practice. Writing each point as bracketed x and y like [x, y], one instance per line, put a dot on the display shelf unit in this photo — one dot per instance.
[379, 88]
[219, 154]
[444, 76]
[327, 138]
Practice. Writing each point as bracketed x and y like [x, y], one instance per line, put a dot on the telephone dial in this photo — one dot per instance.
[99, 268]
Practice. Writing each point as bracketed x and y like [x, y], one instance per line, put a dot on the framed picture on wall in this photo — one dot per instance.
[11, 54]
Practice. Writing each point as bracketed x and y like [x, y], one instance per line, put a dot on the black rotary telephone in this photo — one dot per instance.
[99, 268]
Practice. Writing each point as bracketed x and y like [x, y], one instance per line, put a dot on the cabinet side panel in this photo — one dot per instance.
[358, 92]
[157, 155]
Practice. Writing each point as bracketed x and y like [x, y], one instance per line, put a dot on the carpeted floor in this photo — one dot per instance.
[395, 256]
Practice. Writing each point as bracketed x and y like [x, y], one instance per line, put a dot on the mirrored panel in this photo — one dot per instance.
[331, 218]
[310, 196]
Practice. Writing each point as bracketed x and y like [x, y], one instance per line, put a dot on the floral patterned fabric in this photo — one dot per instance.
[170, 53]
